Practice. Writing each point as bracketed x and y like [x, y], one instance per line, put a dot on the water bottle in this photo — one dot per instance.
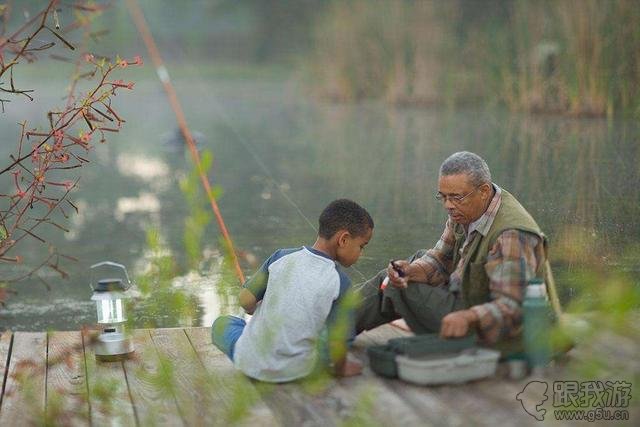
[537, 326]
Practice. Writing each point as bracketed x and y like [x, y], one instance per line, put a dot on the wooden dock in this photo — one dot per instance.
[179, 378]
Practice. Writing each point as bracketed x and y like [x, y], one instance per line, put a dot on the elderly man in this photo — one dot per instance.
[475, 276]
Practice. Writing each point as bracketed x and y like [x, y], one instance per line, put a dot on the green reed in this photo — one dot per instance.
[567, 57]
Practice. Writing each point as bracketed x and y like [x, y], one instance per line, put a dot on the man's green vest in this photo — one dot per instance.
[475, 282]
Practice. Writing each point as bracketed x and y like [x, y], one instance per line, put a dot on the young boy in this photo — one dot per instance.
[294, 298]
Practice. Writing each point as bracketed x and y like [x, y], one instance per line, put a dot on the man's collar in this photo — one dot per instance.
[484, 223]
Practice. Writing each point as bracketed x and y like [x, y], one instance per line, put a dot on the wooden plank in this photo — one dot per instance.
[196, 394]
[502, 392]
[108, 391]
[383, 405]
[324, 402]
[293, 406]
[327, 401]
[5, 351]
[483, 402]
[220, 395]
[24, 397]
[146, 377]
[67, 398]
[472, 398]
[319, 403]
[464, 404]
[476, 403]
[360, 400]
[430, 406]
[236, 397]
[191, 389]
[367, 400]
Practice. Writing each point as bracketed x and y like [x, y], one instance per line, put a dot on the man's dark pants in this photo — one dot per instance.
[421, 305]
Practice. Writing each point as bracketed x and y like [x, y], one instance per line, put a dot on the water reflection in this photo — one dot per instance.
[145, 203]
[281, 158]
[146, 168]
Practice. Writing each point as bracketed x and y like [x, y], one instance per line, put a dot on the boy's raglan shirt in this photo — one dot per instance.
[299, 292]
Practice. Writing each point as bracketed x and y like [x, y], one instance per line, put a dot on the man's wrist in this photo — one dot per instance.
[417, 272]
[472, 317]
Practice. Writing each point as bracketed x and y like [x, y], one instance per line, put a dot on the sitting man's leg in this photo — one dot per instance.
[225, 331]
[421, 305]
[370, 313]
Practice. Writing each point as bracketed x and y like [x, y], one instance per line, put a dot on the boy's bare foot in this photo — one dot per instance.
[351, 367]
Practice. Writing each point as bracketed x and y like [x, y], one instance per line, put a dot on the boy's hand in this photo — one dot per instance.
[247, 301]
[394, 276]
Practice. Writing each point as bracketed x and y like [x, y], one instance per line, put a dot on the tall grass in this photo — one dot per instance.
[576, 57]
[390, 50]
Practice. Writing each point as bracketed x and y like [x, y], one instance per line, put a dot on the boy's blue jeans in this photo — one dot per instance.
[225, 331]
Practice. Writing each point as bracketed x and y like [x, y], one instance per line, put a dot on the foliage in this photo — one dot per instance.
[363, 414]
[602, 319]
[38, 172]
[199, 216]
[160, 304]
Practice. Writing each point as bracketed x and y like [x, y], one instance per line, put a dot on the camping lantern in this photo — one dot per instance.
[110, 293]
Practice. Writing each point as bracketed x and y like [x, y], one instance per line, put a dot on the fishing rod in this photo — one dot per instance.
[163, 74]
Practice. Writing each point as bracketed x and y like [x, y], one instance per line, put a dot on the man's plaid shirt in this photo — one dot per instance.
[511, 263]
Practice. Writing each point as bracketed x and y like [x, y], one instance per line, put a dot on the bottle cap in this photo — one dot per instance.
[536, 291]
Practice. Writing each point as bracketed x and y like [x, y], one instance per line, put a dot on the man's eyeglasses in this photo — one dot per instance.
[455, 199]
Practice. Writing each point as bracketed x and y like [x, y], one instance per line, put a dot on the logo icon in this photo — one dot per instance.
[532, 396]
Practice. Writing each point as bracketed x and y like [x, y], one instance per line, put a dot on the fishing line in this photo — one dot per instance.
[163, 74]
[246, 144]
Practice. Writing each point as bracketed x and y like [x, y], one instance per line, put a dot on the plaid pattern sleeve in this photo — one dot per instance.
[437, 263]
[511, 263]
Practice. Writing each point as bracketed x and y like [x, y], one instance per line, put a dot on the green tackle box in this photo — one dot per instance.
[428, 344]
[382, 360]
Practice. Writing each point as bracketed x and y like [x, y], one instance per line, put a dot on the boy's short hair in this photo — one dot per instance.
[344, 214]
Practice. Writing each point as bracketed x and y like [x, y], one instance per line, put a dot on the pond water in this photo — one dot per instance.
[281, 157]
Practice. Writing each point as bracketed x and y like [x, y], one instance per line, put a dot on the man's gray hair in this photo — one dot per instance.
[467, 163]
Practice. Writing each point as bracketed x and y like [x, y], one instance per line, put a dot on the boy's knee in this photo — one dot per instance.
[219, 327]
[221, 320]
[225, 331]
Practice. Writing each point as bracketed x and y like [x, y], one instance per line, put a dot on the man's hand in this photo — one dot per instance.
[457, 323]
[394, 276]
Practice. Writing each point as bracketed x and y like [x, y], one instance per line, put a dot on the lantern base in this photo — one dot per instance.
[113, 346]
[113, 358]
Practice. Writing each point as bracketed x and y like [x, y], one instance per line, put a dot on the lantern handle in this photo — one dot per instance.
[110, 264]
